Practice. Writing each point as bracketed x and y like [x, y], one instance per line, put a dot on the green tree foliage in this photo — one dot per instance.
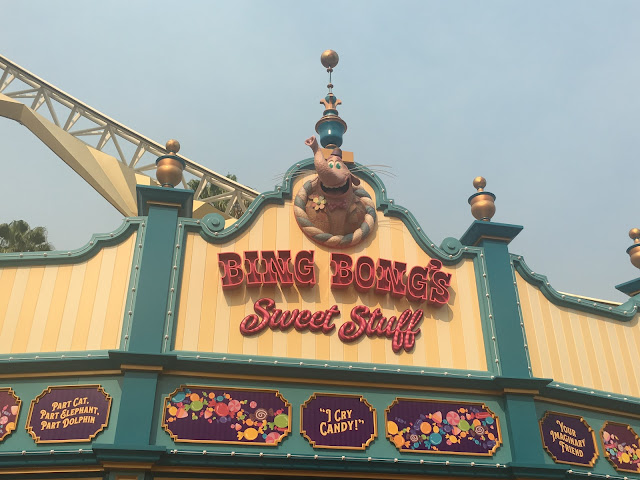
[213, 190]
[17, 236]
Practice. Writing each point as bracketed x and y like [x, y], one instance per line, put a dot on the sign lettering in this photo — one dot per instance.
[568, 439]
[69, 414]
[338, 421]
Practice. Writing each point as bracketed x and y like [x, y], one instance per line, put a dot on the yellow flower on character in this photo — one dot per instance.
[319, 202]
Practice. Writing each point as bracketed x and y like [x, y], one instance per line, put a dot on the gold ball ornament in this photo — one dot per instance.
[479, 183]
[329, 59]
[173, 146]
[634, 234]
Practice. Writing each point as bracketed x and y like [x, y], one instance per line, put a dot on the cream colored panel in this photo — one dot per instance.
[451, 336]
[65, 307]
[579, 348]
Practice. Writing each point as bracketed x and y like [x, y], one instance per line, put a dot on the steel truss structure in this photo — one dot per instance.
[133, 158]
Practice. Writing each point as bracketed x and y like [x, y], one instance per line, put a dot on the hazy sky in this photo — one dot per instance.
[542, 98]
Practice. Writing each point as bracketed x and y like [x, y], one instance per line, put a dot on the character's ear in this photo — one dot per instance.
[355, 180]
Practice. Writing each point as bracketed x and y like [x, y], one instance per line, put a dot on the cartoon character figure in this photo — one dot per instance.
[330, 208]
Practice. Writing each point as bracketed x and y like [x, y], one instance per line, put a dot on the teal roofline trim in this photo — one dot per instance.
[631, 288]
[64, 257]
[450, 252]
[624, 312]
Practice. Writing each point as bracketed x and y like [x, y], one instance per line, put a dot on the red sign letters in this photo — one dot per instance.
[428, 284]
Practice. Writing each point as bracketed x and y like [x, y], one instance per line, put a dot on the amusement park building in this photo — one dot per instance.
[321, 334]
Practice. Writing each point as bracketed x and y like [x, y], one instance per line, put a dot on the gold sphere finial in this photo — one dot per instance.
[482, 203]
[634, 234]
[329, 59]
[479, 183]
[173, 146]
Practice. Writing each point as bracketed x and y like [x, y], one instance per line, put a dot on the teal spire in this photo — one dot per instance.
[330, 127]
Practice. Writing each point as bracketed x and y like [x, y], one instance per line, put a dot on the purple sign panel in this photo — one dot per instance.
[338, 421]
[226, 415]
[75, 413]
[620, 444]
[10, 408]
[432, 426]
[568, 439]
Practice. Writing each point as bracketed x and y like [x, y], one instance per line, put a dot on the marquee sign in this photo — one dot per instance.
[621, 447]
[568, 439]
[226, 415]
[338, 421]
[433, 426]
[74, 413]
[9, 411]
[423, 285]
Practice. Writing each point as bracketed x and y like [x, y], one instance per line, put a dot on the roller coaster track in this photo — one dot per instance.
[119, 159]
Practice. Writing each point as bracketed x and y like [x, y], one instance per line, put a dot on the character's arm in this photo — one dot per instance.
[317, 153]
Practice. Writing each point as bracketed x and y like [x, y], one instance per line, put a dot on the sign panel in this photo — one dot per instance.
[620, 445]
[568, 439]
[226, 415]
[74, 413]
[433, 426]
[338, 421]
[10, 404]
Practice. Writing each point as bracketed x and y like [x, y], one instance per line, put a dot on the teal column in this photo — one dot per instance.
[494, 238]
[522, 419]
[162, 206]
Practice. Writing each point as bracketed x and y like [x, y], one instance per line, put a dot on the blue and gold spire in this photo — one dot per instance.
[330, 127]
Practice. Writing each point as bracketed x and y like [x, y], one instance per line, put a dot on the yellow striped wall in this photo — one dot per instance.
[59, 308]
[208, 318]
[578, 348]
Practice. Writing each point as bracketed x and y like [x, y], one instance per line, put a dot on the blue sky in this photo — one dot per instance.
[542, 98]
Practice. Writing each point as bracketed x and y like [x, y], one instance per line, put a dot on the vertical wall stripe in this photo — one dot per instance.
[103, 288]
[570, 347]
[27, 309]
[209, 301]
[71, 306]
[120, 287]
[41, 313]
[194, 300]
[56, 310]
[99, 313]
[606, 349]
[581, 346]
[184, 292]
[7, 280]
[87, 299]
[13, 309]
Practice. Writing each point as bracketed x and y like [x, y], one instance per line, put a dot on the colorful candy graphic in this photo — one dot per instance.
[620, 444]
[10, 408]
[442, 427]
[226, 415]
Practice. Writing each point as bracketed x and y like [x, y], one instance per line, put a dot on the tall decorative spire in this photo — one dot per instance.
[330, 127]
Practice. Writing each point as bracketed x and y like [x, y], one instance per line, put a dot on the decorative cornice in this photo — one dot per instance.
[84, 253]
[212, 226]
[624, 312]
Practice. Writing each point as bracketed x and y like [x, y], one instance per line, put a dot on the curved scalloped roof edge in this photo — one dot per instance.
[617, 311]
[450, 251]
[97, 242]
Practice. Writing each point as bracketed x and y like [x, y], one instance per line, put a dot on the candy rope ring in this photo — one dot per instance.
[327, 239]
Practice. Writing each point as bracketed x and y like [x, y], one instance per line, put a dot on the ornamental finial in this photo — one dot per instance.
[634, 250]
[482, 203]
[170, 167]
[330, 127]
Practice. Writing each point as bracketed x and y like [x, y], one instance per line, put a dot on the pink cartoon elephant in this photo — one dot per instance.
[332, 205]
